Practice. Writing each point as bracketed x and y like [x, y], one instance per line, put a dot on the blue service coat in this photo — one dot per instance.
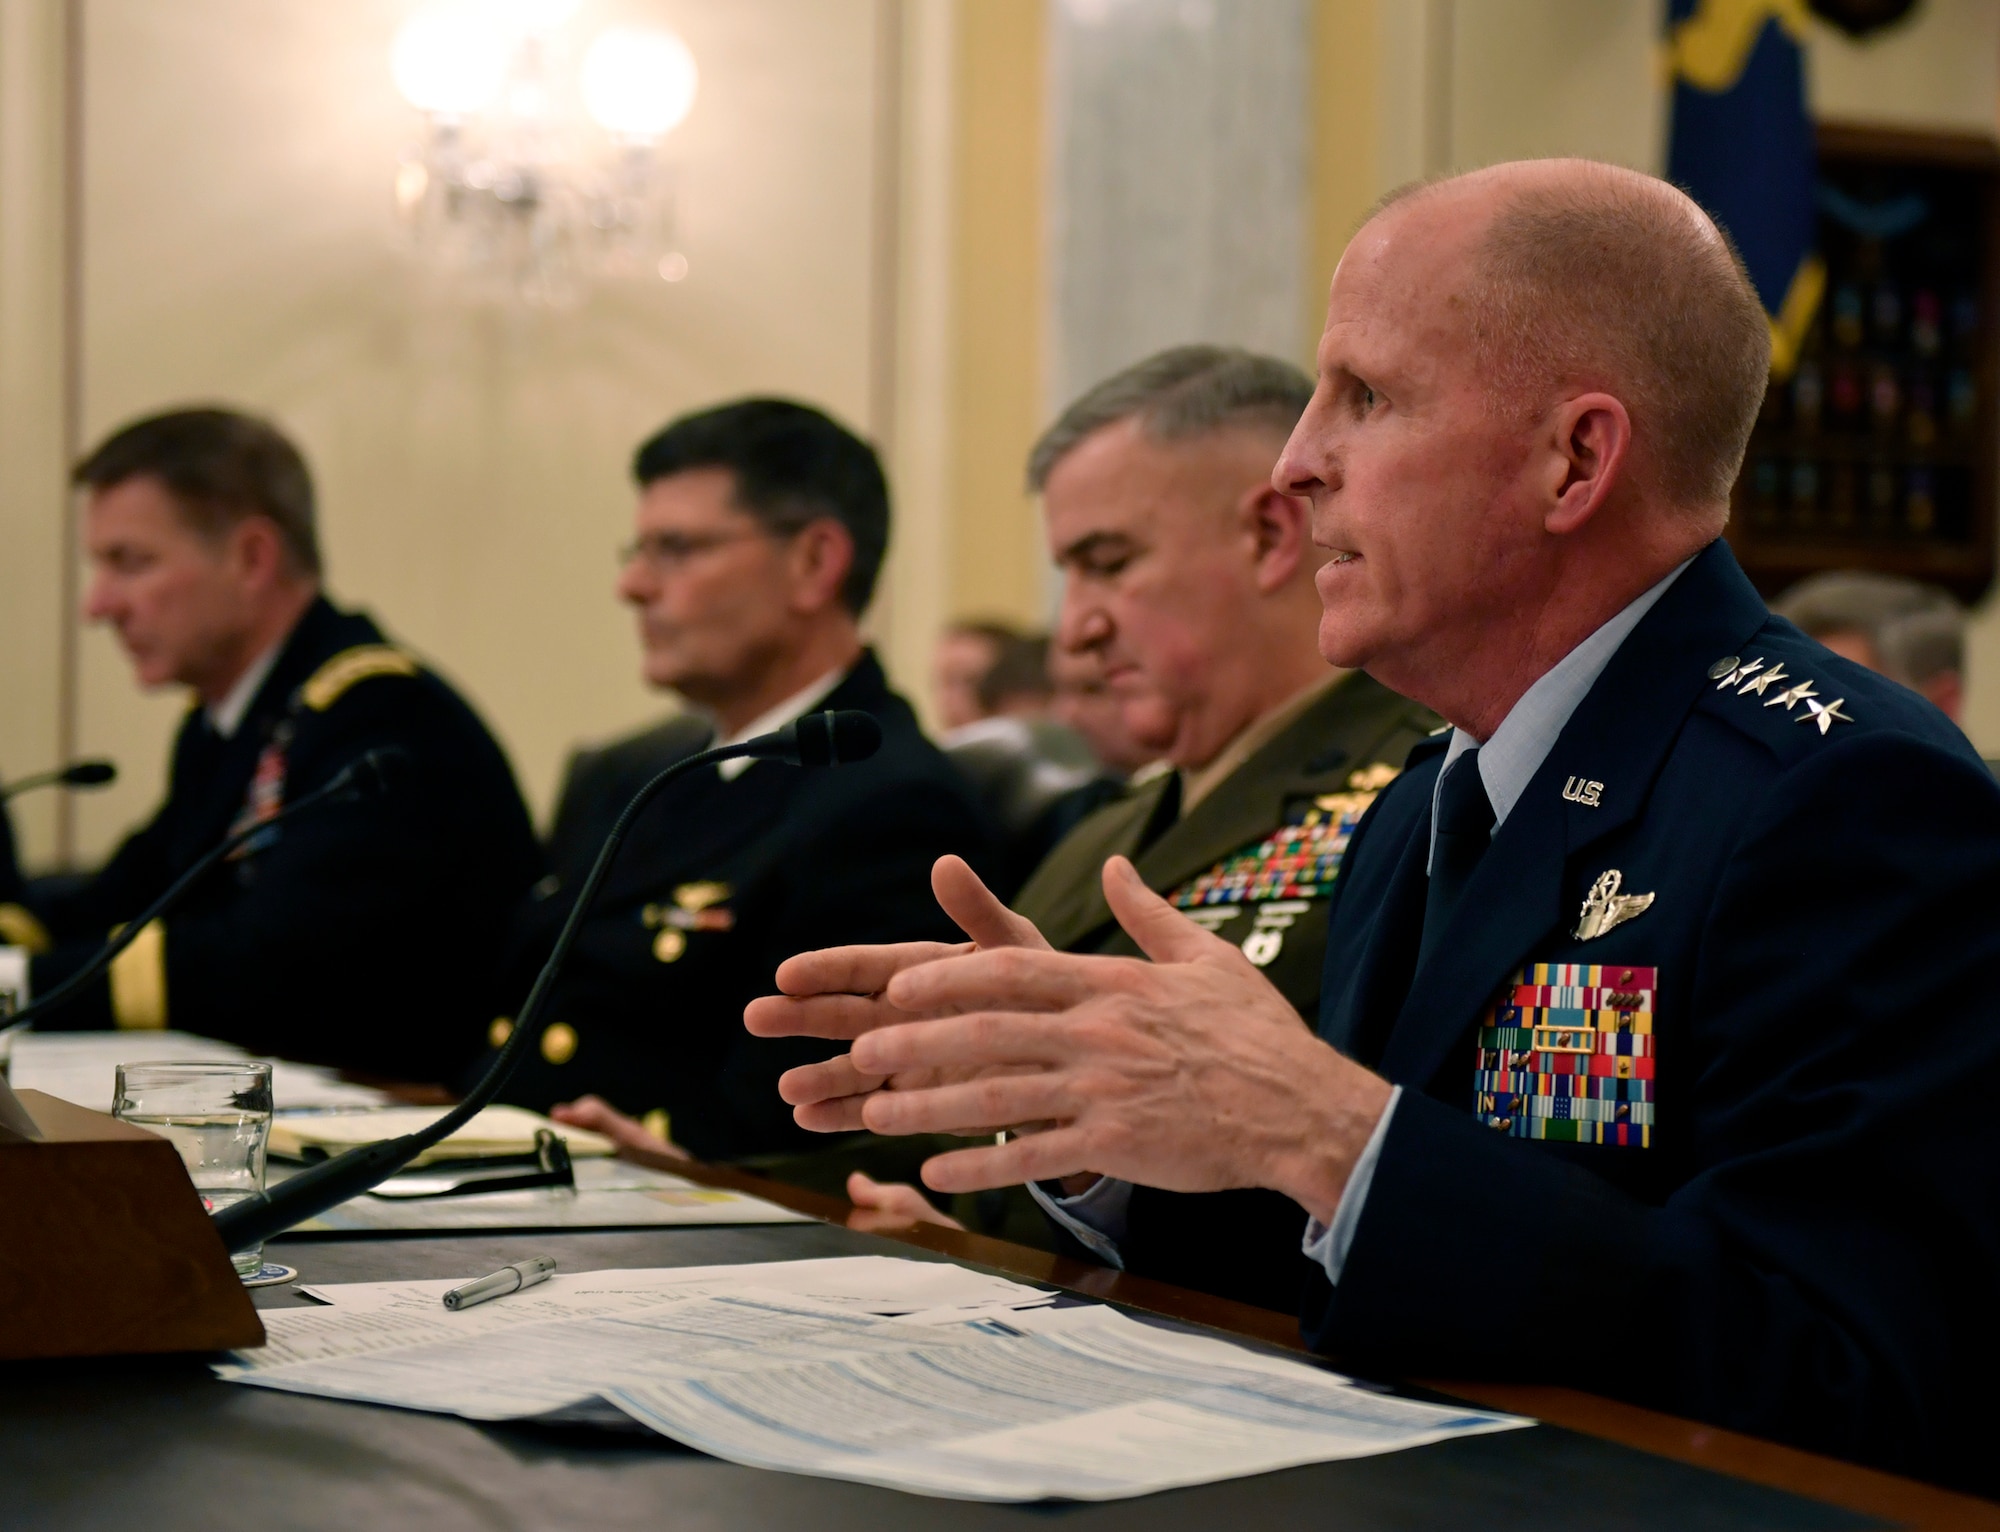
[1743, 1163]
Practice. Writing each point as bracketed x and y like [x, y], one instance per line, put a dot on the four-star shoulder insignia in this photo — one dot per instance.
[1752, 678]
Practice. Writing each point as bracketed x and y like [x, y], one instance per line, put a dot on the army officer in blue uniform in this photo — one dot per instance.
[761, 527]
[1658, 1031]
[365, 935]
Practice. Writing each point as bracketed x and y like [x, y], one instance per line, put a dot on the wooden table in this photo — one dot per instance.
[161, 1445]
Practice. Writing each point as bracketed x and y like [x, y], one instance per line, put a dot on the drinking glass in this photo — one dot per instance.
[218, 1115]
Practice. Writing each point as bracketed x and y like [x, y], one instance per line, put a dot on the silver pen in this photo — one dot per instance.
[508, 1279]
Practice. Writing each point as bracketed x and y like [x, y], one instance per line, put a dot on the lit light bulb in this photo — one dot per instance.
[451, 56]
[638, 83]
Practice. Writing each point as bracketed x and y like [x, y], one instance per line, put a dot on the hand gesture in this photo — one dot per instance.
[838, 993]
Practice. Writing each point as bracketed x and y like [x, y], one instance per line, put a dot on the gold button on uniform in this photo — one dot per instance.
[669, 945]
[499, 1032]
[559, 1042]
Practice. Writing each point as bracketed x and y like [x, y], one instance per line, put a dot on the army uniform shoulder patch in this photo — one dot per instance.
[1566, 1053]
[350, 667]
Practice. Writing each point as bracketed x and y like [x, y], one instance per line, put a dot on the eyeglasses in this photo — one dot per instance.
[669, 552]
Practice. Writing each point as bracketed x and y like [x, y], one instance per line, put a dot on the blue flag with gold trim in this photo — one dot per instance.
[1742, 146]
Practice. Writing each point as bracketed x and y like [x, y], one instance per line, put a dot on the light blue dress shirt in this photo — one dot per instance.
[1507, 764]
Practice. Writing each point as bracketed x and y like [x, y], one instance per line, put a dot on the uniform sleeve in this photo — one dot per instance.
[1826, 1271]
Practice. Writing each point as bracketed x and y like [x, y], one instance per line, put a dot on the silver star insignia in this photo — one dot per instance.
[1768, 678]
[1743, 670]
[1825, 716]
[1792, 698]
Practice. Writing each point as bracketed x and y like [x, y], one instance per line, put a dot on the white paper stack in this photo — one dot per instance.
[916, 1375]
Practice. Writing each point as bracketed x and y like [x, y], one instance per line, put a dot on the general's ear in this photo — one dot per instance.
[1588, 443]
[1280, 530]
[257, 549]
[821, 556]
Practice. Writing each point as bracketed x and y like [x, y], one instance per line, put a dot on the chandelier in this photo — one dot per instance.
[539, 172]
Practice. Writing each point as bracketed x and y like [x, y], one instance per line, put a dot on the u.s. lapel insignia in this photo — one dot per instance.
[1605, 907]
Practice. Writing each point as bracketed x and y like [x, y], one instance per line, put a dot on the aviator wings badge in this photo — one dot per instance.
[1606, 907]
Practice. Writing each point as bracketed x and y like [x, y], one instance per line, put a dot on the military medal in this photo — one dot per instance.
[696, 907]
[1566, 1054]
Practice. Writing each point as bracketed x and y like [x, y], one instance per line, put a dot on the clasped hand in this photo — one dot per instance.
[1190, 1072]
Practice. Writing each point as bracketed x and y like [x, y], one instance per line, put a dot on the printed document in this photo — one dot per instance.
[916, 1375]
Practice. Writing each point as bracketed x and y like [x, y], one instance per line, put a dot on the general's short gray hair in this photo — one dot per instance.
[1917, 630]
[1176, 395]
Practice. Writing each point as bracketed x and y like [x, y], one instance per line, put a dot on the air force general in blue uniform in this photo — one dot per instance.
[1696, 1075]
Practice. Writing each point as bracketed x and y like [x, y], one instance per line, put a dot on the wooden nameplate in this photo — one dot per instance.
[105, 1249]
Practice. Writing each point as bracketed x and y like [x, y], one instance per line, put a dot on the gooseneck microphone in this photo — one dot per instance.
[367, 776]
[817, 739]
[75, 774]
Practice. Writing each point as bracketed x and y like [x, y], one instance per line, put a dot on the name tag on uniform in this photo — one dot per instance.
[1566, 1053]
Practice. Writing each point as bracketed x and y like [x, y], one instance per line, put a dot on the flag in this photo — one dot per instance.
[1741, 145]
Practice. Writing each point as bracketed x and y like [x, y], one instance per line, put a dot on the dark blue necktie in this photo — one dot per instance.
[1464, 831]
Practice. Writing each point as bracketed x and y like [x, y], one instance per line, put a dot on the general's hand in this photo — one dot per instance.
[1189, 1073]
[880, 1205]
[838, 993]
[631, 1137]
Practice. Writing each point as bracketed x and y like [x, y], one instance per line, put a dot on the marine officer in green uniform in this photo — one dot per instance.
[1190, 583]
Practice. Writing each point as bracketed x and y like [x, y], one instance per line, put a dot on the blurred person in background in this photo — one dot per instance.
[966, 652]
[363, 935]
[1035, 774]
[1901, 628]
[759, 532]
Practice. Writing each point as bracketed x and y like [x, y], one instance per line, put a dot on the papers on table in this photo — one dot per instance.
[916, 1375]
[609, 1194]
[82, 1067]
[493, 1130]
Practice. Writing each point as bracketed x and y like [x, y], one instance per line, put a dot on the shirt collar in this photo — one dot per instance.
[1509, 760]
[226, 716]
[791, 709]
[1198, 782]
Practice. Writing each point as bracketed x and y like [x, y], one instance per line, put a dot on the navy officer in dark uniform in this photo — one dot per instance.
[364, 935]
[1658, 1032]
[761, 527]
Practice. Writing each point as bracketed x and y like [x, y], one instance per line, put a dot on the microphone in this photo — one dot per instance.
[819, 739]
[366, 777]
[75, 774]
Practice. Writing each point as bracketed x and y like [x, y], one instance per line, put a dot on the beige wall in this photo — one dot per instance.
[471, 459]
[31, 399]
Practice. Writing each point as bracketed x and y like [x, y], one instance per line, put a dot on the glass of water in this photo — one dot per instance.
[218, 1115]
